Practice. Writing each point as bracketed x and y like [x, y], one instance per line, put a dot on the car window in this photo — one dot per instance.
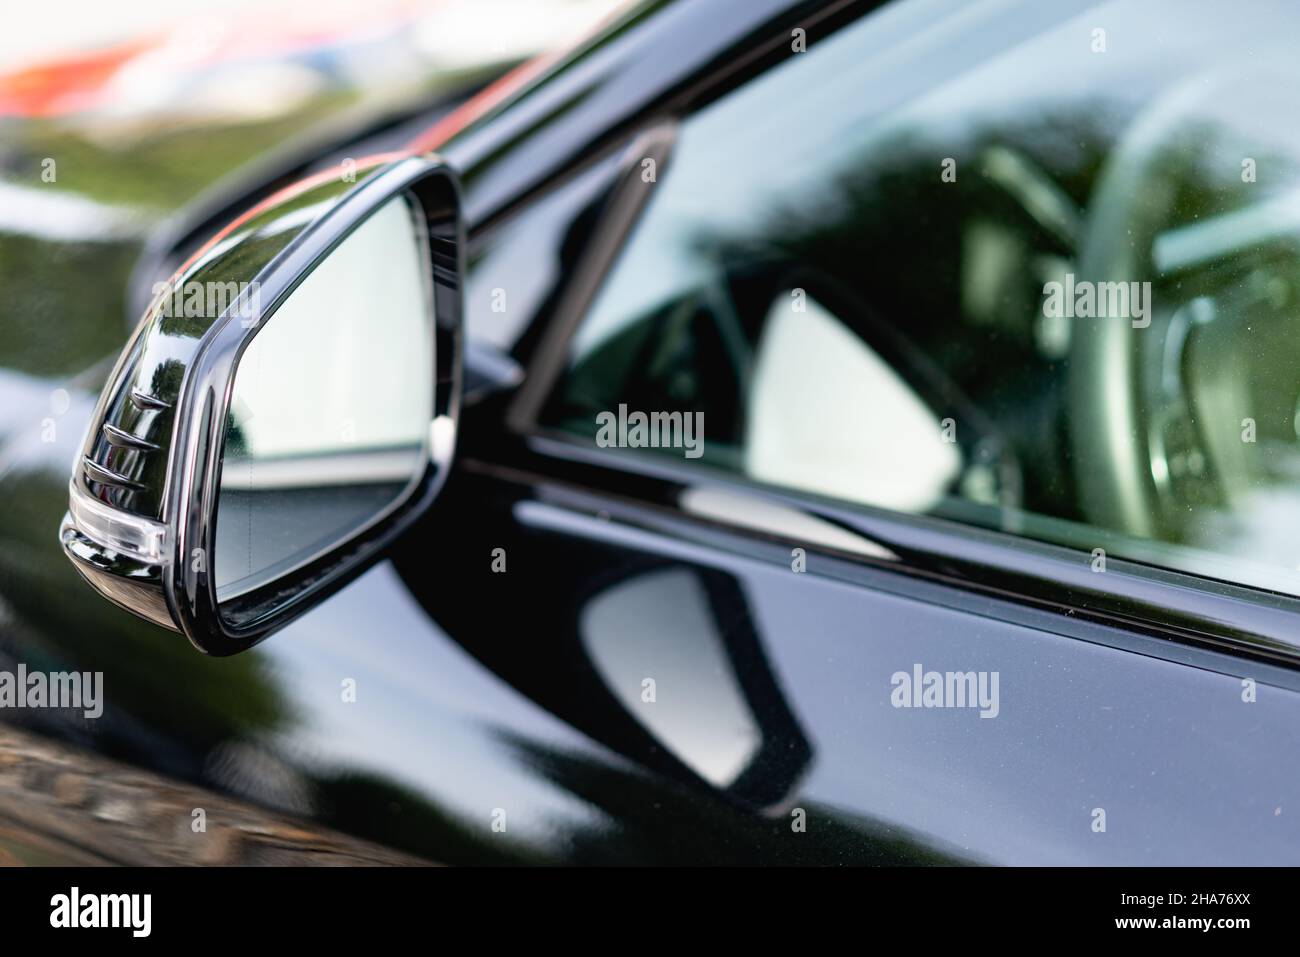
[1031, 267]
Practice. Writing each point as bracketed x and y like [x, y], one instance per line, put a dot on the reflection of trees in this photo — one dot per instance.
[63, 304]
[907, 249]
[886, 226]
[380, 810]
[165, 165]
[648, 820]
[898, 251]
[166, 705]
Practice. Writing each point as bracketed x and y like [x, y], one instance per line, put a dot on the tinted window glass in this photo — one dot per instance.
[1030, 266]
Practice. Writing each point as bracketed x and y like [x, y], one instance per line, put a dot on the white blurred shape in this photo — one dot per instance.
[828, 415]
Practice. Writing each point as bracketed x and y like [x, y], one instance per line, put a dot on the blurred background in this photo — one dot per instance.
[125, 128]
[87, 84]
[35, 33]
[116, 120]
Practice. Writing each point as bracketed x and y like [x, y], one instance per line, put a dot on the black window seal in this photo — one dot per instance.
[1188, 609]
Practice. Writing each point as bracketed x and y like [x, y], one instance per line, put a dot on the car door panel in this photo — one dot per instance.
[1090, 717]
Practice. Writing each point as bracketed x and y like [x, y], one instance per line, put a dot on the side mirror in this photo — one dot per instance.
[286, 407]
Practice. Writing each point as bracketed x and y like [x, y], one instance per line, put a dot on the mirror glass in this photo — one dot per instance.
[329, 419]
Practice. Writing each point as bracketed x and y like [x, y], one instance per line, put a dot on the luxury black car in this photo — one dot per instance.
[770, 432]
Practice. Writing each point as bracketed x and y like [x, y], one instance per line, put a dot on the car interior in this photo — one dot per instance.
[868, 304]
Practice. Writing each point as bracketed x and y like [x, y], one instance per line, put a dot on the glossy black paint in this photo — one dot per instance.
[477, 691]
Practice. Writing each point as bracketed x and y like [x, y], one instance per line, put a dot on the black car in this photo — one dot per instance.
[772, 432]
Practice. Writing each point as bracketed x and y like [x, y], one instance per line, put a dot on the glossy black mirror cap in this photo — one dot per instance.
[141, 521]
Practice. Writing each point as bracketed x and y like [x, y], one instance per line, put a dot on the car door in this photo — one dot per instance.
[808, 504]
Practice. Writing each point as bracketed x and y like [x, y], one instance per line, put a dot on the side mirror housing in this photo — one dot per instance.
[286, 407]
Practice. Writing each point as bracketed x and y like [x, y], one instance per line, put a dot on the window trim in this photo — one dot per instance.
[1187, 609]
[622, 211]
